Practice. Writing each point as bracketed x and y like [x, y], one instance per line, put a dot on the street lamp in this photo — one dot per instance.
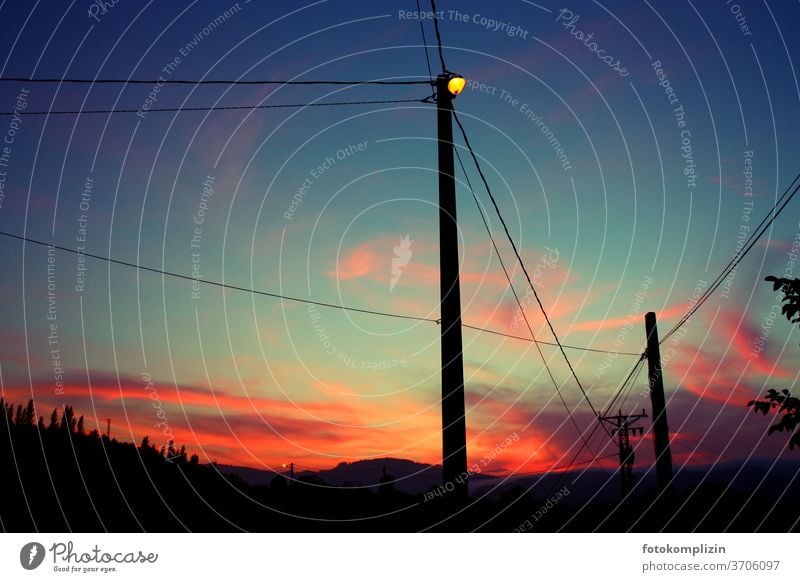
[456, 84]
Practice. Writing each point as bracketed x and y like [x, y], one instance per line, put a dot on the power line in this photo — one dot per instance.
[574, 462]
[770, 217]
[765, 223]
[522, 264]
[263, 293]
[438, 36]
[219, 284]
[629, 379]
[629, 382]
[633, 382]
[519, 258]
[425, 45]
[221, 108]
[204, 82]
[560, 467]
[519, 303]
[544, 343]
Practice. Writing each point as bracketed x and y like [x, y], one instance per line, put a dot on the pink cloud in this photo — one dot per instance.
[619, 321]
[743, 335]
[362, 261]
[372, 261]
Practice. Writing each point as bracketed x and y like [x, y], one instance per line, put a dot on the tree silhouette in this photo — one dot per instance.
[782, 402]
[29, 414]
[68, 421]
[53, 420]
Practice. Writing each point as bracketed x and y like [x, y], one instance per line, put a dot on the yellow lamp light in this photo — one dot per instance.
[456, 85]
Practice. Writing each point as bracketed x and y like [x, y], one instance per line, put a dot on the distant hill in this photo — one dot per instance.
[415, 478]
[409, 476]
[765, 477]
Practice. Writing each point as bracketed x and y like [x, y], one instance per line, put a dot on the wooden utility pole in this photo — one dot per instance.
[108, 428]
[659, 407]
[454, 431]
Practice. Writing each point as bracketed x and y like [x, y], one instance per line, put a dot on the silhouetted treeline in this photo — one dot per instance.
[58, 477]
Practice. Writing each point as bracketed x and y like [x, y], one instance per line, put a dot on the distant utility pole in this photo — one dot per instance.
[622, 428]
[108, 428]
[454, 430]
[659, 407]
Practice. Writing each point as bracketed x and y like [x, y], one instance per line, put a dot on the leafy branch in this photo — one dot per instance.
[785, 404]
[791, 296]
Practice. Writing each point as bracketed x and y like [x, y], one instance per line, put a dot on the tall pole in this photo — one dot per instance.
[659, 407]
[108, 428]
[454, 431]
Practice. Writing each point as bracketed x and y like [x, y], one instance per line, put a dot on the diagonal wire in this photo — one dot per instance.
[628, 378]
[275, 295]
[563, 467]
[524, 269]
[217, 283]
[544, 343]
[765, 223]
[438, 35]
[632, 384]
[519, 305]
[425, 44]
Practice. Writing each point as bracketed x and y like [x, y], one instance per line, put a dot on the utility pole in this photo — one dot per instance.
[108, 428]
[659, 407]
[454, 431]
[622, 429]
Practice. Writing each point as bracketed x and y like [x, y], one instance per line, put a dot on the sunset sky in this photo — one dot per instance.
[659, 160]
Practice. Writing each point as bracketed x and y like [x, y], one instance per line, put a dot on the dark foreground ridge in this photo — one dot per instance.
[58, 478]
